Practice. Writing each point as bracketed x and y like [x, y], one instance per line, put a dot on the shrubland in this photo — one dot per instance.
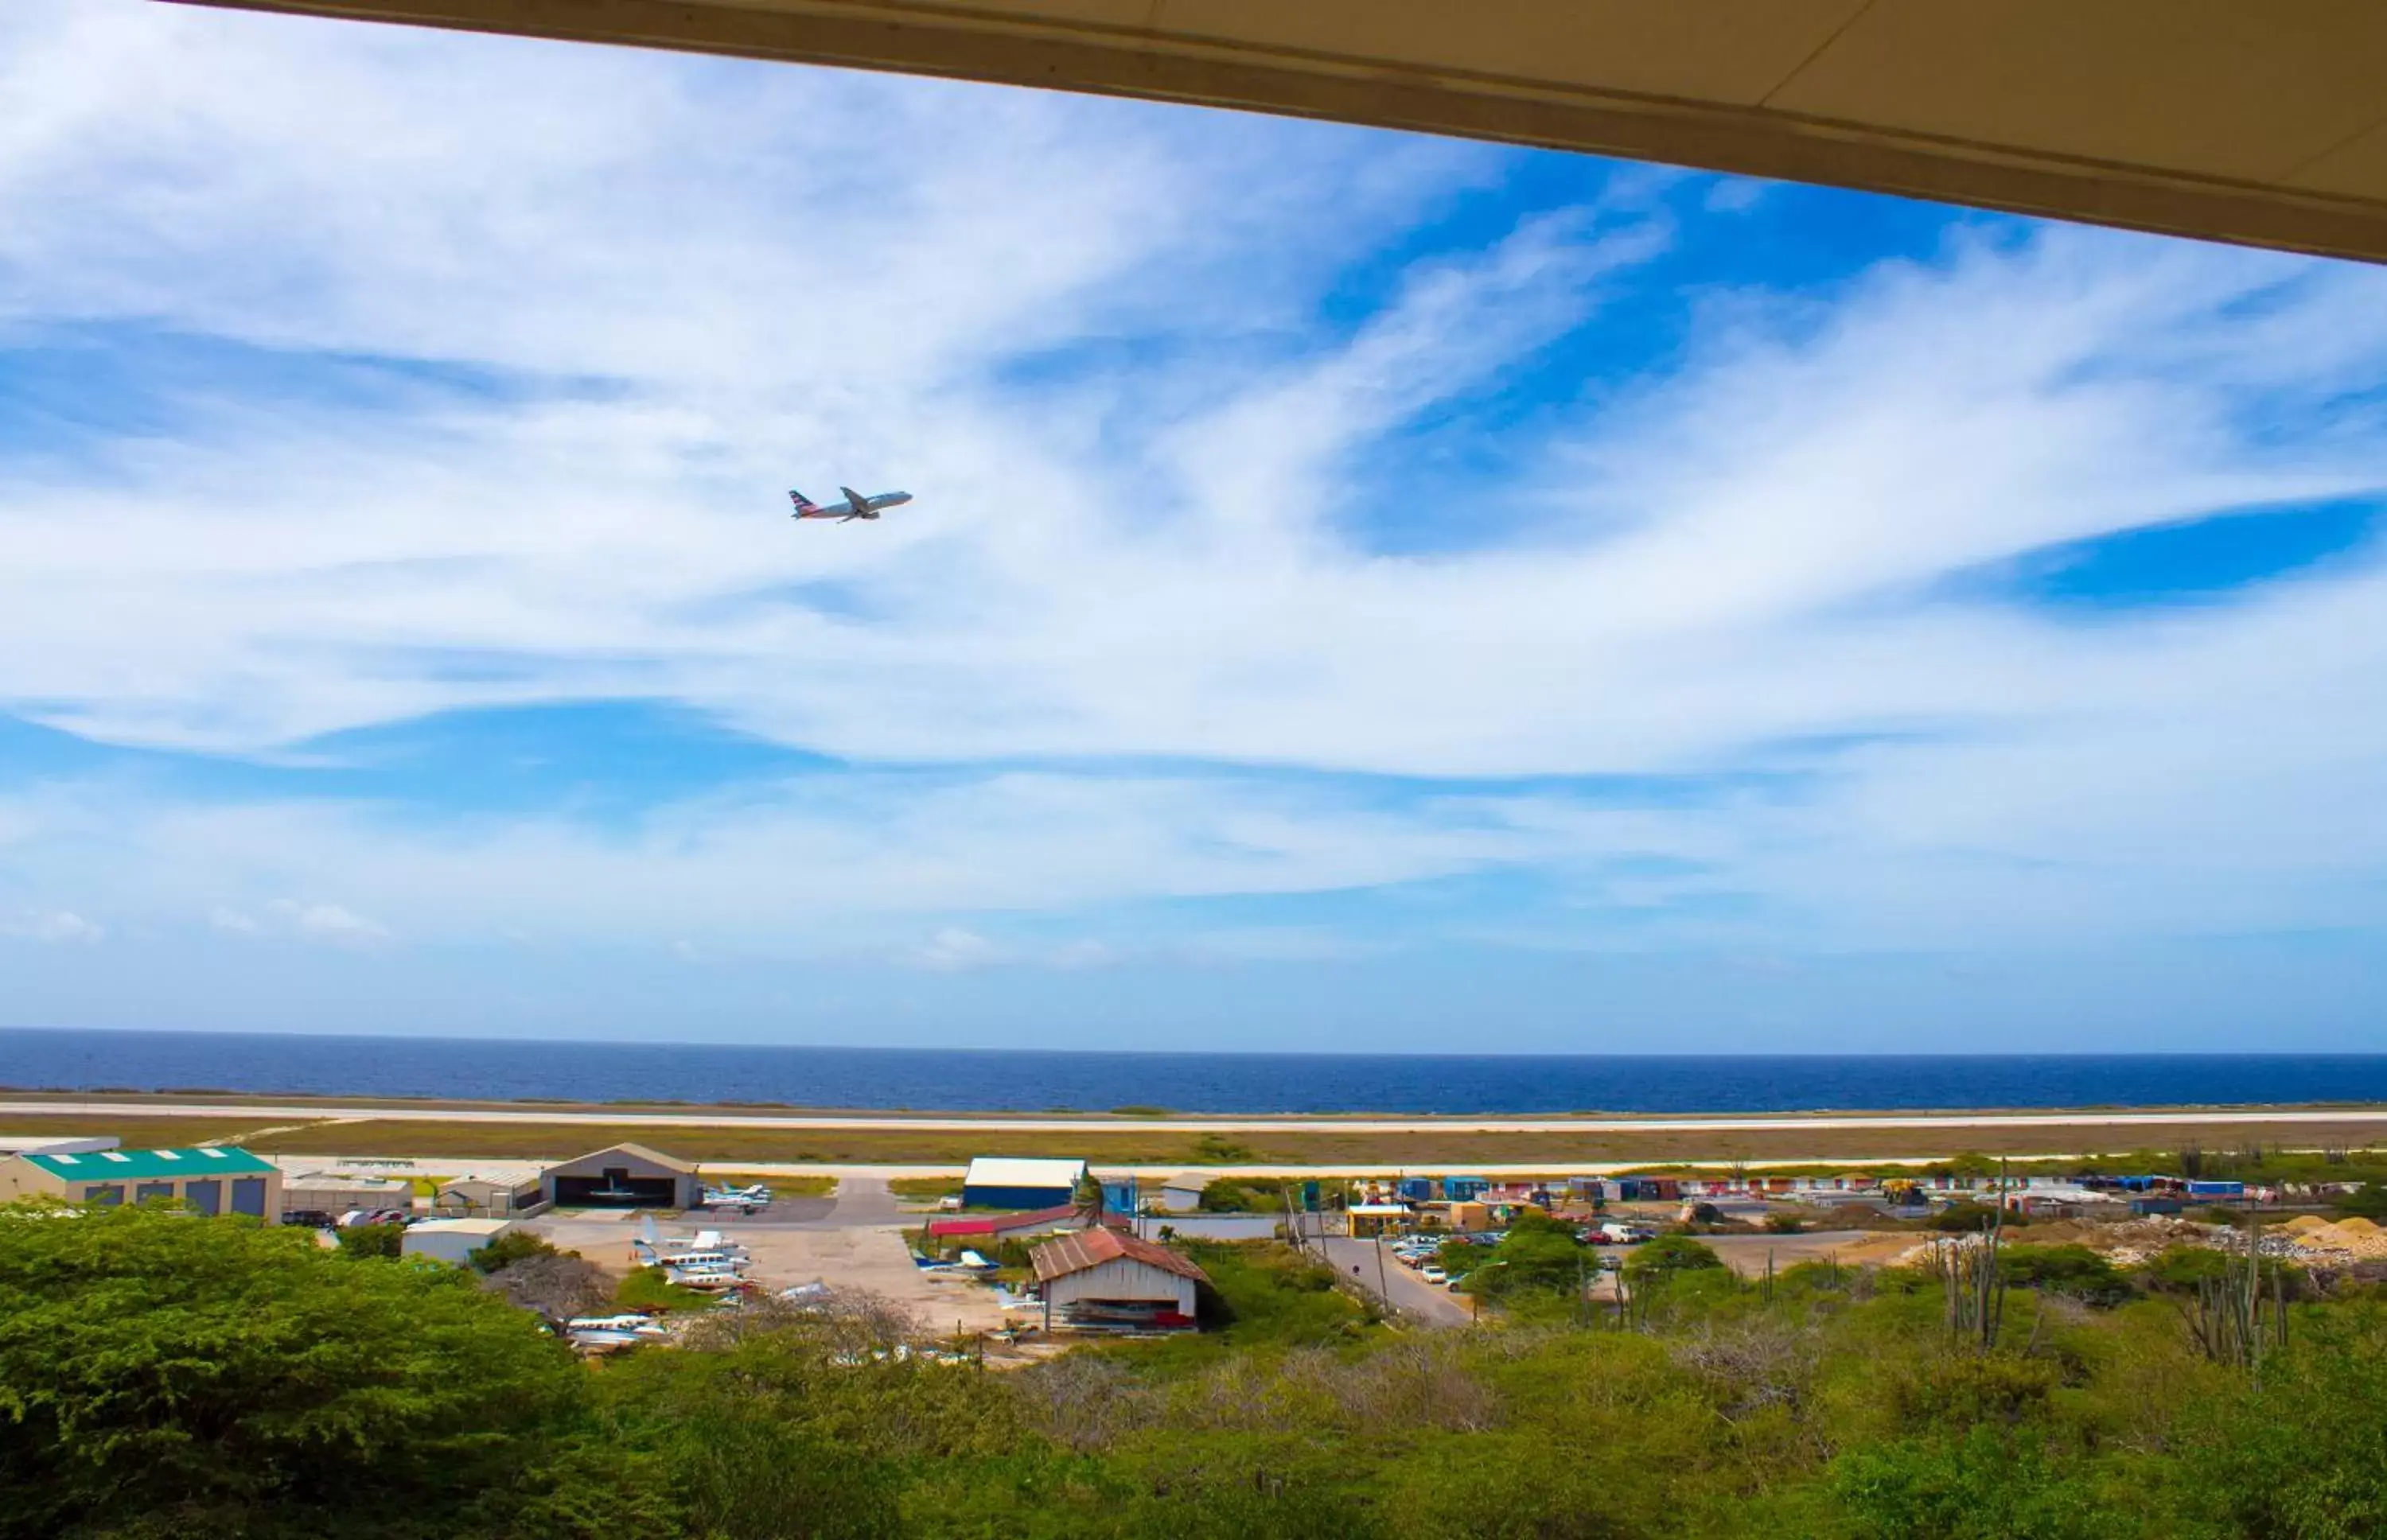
[161, 1375]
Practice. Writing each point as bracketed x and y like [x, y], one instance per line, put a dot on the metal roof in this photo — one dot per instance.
[1007, 1172]
[636, 1152]
[1081, 1249]
[210, 1160]
[995, 1224]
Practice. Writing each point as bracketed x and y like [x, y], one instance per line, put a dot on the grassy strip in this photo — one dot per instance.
[925, 1188]
[1431, 1150]
[2372, 1113]
[138, 1133]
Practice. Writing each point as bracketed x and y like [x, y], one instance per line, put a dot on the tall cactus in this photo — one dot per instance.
[1971, 1283]
[2230, 1319]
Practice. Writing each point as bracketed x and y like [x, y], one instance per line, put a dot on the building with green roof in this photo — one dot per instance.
[208, 1179]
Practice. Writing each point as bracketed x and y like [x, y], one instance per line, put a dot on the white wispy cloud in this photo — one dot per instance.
[52, 926]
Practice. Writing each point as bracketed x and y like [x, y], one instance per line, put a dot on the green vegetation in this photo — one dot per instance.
[362, 1241]
[1243, 1195]
[167, 1376]
[1267, 1293]
[514, 1245]
[2072, 1269]
[648, 1289]
[925, 1188]
[1668, 1256]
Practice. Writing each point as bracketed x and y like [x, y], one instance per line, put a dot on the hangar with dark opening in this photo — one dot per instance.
[625, 1176]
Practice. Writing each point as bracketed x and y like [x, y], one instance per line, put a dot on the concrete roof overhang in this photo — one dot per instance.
[2259, 123]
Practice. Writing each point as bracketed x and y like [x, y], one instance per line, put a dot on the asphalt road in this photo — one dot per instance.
[1411, 1294]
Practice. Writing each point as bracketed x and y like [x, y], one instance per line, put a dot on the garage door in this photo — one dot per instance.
[616, 1188]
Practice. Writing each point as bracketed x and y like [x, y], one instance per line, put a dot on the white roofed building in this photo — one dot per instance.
[450, 1241]
[1004, 1181]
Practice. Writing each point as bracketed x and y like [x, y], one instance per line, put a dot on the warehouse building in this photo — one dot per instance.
[472, 1197]
[210, 1179]
[1101, 1279]
[450, 1241]
[625, 1176]
[1180, 1194]
[998, 1181]
[323, 1196]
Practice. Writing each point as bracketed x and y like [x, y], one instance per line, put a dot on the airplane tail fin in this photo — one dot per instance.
[804, 504]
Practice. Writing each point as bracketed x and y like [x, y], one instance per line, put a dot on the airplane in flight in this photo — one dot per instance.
[855, 505]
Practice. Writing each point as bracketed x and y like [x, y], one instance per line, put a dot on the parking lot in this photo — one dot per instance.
[853, 1242]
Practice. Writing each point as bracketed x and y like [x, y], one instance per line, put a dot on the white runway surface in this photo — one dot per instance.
[696, 1117]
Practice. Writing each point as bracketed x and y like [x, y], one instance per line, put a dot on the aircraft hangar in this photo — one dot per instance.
[2263, 124]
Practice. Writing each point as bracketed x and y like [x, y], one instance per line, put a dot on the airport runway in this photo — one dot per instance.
[699, 1117]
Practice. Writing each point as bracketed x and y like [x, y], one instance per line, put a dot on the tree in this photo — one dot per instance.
[2368, 1201]
[2302, 1455]
[1668, 1255]
[1988, 1485]
[513, 1245]
[1971, 1217]
[555, 1286]
[2076, 1270]
[359, 1241]
[250, 1383]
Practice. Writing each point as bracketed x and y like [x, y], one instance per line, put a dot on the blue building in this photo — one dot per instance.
[1416, 1189]
[1464, 1189]
[1000, 1181]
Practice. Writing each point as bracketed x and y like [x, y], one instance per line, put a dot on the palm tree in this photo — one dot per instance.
[1089, 1200]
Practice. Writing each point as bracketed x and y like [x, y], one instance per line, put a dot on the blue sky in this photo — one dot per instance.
[1364, 591]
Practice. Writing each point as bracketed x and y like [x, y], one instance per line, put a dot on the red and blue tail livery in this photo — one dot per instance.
[855, 505]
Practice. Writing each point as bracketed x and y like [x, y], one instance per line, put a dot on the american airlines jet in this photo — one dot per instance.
[855, 505]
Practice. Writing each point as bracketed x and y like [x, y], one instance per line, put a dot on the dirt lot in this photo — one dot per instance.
[857, 1257]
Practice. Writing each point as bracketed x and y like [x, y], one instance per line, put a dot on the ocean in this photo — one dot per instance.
[997, 1080]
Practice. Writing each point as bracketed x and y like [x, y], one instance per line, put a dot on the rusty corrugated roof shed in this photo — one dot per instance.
[1090, 1248]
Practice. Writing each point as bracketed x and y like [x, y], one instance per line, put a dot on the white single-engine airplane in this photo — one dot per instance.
[855, 505]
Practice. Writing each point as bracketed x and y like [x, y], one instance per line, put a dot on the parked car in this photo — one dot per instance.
[1434, 1274]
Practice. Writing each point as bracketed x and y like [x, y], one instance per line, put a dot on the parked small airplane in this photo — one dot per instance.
[855, 505]
[745, 1199]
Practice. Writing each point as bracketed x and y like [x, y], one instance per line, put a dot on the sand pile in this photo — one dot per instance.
[2306, 1223]
[2357, 1237]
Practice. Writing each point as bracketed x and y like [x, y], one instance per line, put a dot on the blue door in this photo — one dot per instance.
[249, 1195]
[205, 1196]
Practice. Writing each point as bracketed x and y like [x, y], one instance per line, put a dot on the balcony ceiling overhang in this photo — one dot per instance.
[2264, 124]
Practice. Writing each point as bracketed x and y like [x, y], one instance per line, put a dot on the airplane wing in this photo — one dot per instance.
[854, 499]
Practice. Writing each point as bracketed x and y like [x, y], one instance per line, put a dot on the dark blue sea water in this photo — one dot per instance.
[990, 1081]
